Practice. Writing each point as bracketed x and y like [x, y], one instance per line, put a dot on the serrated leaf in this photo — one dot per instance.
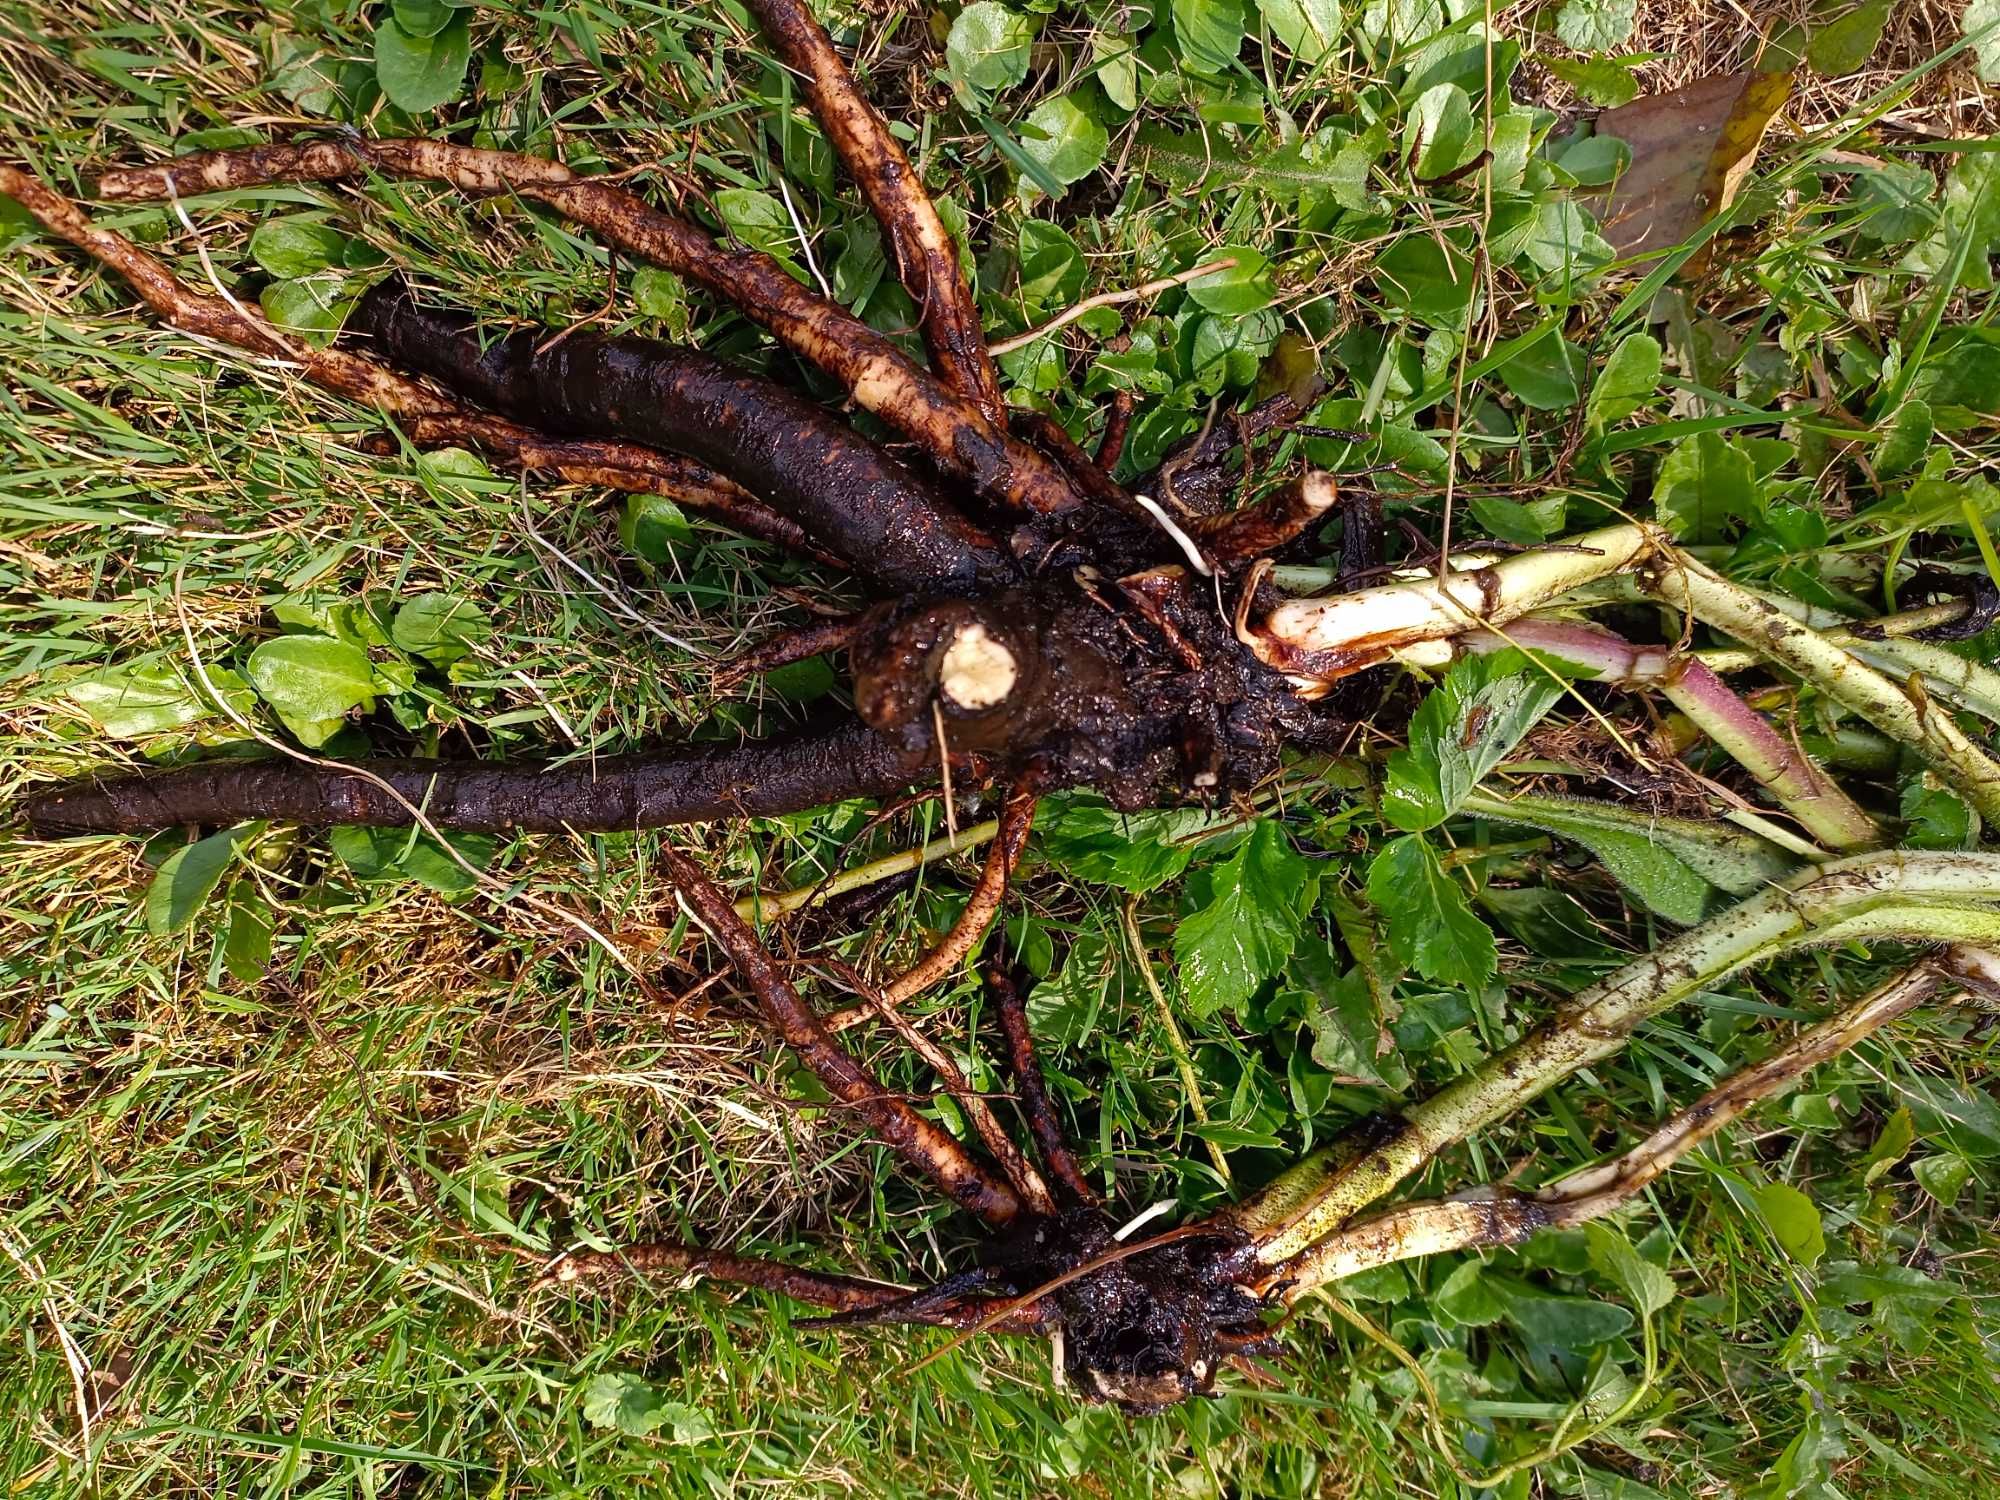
[1136, 852]
[1596, 25]
[623, 1402]
[1794, 1221]
[1598, 80]
[1467, 725]
[1340, 1007]
[1425, 916]
[1245, 921]
[419, 73]
[189, 876]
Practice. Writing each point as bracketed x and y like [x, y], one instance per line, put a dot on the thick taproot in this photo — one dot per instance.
[850, 497]
[954, 431]
[764, 778]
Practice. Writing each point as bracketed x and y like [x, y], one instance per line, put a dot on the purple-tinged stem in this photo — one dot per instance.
[1799, 785]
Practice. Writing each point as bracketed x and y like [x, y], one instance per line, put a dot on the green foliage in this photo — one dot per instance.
[1428, 922]
[419, 70]
[1596, 25]
[1468, 724]
[264, 1082]
[189, 876]
[1242, 918]
[988, 46]
[623, 1402]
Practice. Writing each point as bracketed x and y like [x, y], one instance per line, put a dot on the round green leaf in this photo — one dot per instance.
[441, 628]
[1596, 162]
[1066, 142]
[311, 305]
[422, 18]
[297, 246]
[419, 73]
[311, 676]
[1243, 288]
[989, 46]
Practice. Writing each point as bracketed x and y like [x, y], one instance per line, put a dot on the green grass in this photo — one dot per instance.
[276, 1212]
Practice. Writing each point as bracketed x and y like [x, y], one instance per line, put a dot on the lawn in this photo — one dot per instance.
[284, 1145]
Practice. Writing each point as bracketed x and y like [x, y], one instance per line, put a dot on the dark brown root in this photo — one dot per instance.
[1017, 817]
[1015, 1167]
[761, 779]
[429, 419]
[1144, 1325]
[848, 1296]
[1196, 473]
[1070, 683]
[1036, 1107]
[1241, 536]
[628, 467]
[926, 257]
[891, 1118]
[1090, 476]
[851, 498]
[1117, 423]
[1979, 593]
[786, 647]
[955, 433]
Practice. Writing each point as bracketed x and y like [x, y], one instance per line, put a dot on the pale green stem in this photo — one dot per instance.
[1496, 1216]
[1688, 585]
[766, 906]
[1918, 896]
